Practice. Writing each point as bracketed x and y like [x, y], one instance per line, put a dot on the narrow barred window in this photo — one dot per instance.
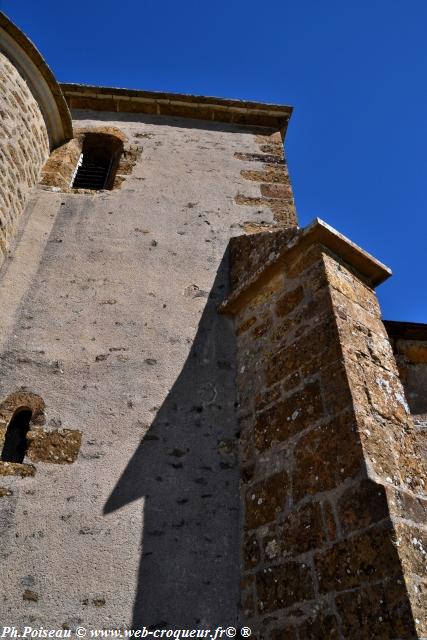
[98, 162]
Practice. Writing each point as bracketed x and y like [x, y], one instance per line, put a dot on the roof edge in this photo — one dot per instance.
[401, 330]
[241, 112]
[42, 83]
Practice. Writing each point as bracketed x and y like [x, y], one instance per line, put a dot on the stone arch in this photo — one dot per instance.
[19, 412]
[24, 56]
[19, 399]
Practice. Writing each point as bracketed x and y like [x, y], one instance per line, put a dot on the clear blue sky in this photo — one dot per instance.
[354, 71]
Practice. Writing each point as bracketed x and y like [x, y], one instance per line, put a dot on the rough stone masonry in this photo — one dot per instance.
[333, 470]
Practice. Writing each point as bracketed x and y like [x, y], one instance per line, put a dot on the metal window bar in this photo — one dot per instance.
[90, 175]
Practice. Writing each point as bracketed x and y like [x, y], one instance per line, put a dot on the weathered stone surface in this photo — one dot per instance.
[263, 296]
[283, 209]
[249, 253]
[405, 505]
[266, 499]
[276, 191]
[350, 284]
[382, 459]
[368, 557]
[361, 505]
[284, 585]
[383, 390]
[247, 324]
[322, 336]
[17, 469]
[86, 280]
[59, 447]
[376, 611]
[275, 186]
[24, 148]
[289, 301]
[319, 344]
[324, 626]
[411, 452]
[248, 604]
[325, 339]
[326, 456]
[288, 417]
[261, 329]
[30, 596]
[252, 554]
[287, 633]
[412, 544]
[18, 400]
[268, 396]
[413, 351]
[329, 520]
[409, 342]
[272, 174]
[301, 531]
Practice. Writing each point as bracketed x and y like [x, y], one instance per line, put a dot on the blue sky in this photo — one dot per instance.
[355, 73]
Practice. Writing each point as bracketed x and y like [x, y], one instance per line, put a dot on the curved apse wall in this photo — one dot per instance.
[24, 147]
[34, 119]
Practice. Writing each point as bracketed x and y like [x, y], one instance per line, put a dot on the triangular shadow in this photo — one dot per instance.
[186, 469]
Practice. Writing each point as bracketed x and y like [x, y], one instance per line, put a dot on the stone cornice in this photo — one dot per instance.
[240, 112]
[319, 232]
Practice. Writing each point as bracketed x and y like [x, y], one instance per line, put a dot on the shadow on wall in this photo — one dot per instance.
[186, 469]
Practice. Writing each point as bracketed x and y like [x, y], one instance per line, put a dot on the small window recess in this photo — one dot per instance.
[98, 162]
[15, 442]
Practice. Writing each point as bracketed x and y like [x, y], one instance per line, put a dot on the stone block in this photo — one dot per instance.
[301, 531]
[327, 456]
[380, 611]
[369, 557]
[287, 633]
[287, 303]
[361, 505]
[320, 344]
[276, 190]
[283, 586]
[266, 499]
[405, 505]
[323, 626]
[288, 417]
[59, 447]
[251, 552]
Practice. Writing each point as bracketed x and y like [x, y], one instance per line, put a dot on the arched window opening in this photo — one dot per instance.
[15, 442]
[97, 165]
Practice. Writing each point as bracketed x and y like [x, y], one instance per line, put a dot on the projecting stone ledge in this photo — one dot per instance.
[333, 475]
[260, 256]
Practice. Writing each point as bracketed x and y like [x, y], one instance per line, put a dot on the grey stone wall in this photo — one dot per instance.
[109, 315]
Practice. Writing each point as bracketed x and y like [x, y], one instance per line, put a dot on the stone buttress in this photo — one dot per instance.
[332, 474]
